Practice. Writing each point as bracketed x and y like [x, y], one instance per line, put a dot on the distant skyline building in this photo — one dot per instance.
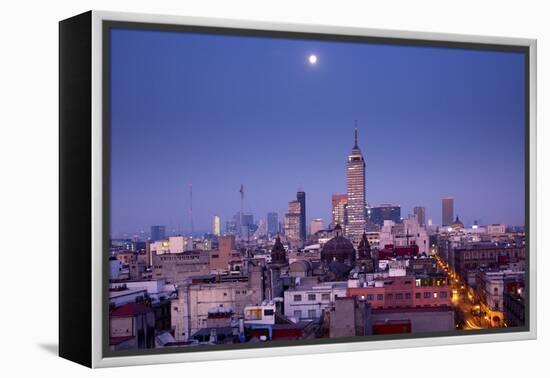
[247, 226]
[292, 222]
[301, 197]
[316, 225]
[339, 207]
[355, 169]
[158, 233]
[420, 213]
[216, 225]
[447, 211]
[272, 223]
[383, 212]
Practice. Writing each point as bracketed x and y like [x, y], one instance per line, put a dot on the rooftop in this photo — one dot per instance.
[130, 309]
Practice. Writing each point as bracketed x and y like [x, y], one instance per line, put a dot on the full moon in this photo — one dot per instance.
[312, 59]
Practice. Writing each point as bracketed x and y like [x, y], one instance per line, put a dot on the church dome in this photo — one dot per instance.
[457, 223]
[338, 249]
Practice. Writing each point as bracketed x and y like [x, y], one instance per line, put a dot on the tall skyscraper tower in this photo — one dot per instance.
[272, 223]
[356, 194]
[420, 213]
[216, 225]
[301, 197]
[339, 206]
[292, 222]
[447, 211]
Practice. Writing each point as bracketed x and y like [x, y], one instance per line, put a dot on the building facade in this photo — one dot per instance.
[316, 225]
[293, 223]
[339, 209]
[420, 213]
[216, 225]
[307, 301]
[158, 233]
[447, 211]
[301, 197]
[272, 223]
[355, 169]
[385, 212]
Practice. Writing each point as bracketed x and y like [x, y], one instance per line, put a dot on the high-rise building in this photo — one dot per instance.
[356, 194]
[420, 213]
[216, 225]
[316, 225]
[158, 233]
[384, 212]
[339, 207]
[247, 225]
[292, 222]
[447, 211]
[231, 227]
[272, 223]
[301, 197]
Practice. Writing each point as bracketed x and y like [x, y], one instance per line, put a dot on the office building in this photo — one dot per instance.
[301, 197]
[385, 212]
[420, 213]
[447, 211]
[158, 233]
[355, 169]
[272, 223]
[292, 222]
[339, 207]
[316, 225]
[216, 225]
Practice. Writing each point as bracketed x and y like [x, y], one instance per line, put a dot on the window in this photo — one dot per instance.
[380, 297]
[443, 294]
[407, 295]
[370, 297]
[399, 296]
[417, 295]
[426, 294]
[311, 297]
[298, 313]
[311, 314]
[325, 297]
[297, 298]
[268, 312]
[435, 294]
[389, 297]
[418, 282]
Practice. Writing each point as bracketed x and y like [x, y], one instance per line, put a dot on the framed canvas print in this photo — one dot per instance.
[235, 189]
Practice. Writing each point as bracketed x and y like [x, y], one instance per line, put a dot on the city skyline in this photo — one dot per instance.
[164, 137]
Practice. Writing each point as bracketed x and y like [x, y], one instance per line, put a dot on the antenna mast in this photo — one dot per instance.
[356, 145]
[191, 209]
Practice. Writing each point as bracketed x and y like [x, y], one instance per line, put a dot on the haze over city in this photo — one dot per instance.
[220, 111]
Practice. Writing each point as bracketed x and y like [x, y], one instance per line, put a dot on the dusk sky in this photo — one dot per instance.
[221, 111]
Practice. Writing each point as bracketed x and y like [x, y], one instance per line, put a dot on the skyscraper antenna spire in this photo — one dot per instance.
[355, 146]
[191, 209]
